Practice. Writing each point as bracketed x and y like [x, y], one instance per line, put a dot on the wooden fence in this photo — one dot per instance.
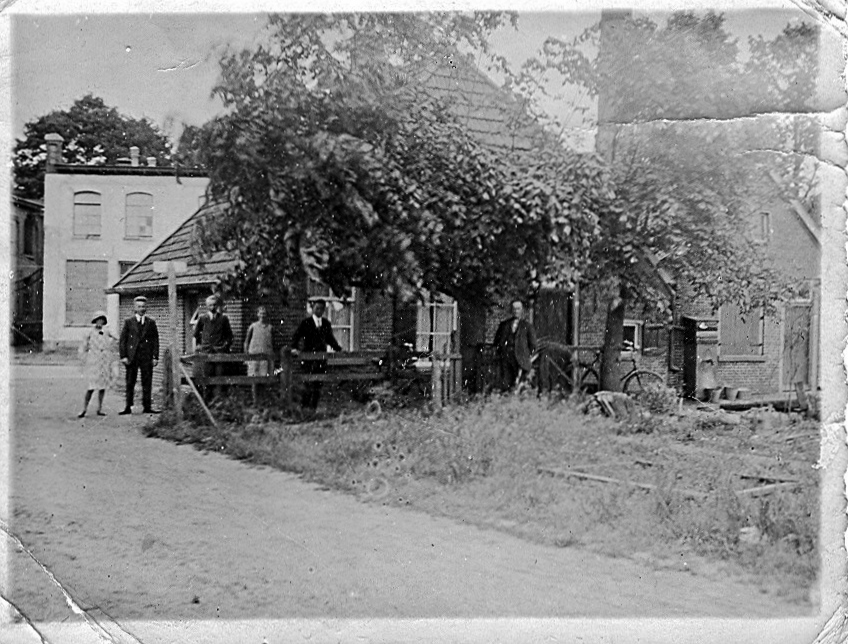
[442, 378]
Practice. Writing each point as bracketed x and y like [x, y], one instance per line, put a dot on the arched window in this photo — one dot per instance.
[139, 215]
[87, 210]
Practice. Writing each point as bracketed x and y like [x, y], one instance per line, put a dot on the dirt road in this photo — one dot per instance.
[136, 528]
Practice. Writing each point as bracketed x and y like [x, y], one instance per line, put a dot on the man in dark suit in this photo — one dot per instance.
[139, 350]
[515, 342]
[214, 334]
[315, 334]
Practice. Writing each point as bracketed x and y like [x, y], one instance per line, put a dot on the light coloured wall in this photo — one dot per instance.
[173, 202]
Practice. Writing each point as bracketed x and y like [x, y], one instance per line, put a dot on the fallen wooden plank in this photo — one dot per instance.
[607, 479]
[767, 489]
[767, 477]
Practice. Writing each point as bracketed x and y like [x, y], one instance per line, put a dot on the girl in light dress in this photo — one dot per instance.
[98, 352]
[259, 340]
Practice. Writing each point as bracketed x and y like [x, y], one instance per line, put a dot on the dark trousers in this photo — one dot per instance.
[146, 368]
[511, 373]
[312, 390]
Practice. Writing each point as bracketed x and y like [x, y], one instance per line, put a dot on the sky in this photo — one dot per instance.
[164, 66]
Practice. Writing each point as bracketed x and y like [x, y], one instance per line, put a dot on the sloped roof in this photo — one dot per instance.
[486, 110]
[492, 115]
[177, 247]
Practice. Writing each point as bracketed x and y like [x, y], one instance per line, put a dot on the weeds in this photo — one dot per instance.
[483, 462]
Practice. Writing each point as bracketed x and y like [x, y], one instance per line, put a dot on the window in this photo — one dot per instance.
[87, 208]
[654, 338]
[436, 324]
[632, 340]
[340, 312]
[740, 334]
[123, 267]
[139, 215]
[85, 290]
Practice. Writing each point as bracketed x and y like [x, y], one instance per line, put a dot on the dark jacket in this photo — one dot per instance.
[308, 337]
[139, 344]
[520, 345]
[213, 335]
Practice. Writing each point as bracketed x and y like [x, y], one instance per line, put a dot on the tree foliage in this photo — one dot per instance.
[692, 159]
[94, 134]
[339, 158]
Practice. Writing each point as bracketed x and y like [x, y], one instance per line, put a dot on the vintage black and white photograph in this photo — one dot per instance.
[433, 324]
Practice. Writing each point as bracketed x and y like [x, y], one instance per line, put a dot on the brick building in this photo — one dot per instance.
[764, 353]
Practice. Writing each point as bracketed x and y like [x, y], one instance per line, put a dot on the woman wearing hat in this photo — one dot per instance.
[96, 349]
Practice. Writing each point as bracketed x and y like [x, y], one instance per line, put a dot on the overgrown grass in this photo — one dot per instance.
[495, 463]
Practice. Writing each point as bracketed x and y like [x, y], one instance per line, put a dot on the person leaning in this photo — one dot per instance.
[515, 342]
[139, 351]
[214, 334]
[314, 334]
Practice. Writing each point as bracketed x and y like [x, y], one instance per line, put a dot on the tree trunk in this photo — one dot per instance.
[613, 339]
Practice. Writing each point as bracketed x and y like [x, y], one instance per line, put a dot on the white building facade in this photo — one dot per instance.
[98, 222]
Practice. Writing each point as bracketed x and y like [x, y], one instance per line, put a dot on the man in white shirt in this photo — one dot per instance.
[314, 334]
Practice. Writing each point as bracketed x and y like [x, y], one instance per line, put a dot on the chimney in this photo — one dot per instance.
[134, 156]
[151, 162]
[54, 143]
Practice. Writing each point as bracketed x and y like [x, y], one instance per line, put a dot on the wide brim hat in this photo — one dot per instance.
[99, 314]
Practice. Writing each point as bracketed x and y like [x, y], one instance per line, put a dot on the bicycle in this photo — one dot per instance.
[585, 377]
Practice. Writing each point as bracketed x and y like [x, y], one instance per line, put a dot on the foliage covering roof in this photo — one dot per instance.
[493, 116]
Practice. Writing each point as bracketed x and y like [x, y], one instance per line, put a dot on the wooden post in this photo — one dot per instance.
[456, 363]
[175, 361]
[286, 376]
[436, 381]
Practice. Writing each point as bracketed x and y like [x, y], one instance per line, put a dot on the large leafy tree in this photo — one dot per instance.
[94, 134]
[340, 156]
[688, 170]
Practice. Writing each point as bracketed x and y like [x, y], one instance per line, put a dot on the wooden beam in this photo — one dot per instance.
[199, 397]
[606, 479]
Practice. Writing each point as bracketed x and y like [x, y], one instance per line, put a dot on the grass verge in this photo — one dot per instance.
[500, 462]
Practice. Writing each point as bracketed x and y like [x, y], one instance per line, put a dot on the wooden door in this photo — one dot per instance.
[797, 347]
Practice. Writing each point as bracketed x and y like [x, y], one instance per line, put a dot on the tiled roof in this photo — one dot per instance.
[177, 247]
[492, 115]
[486, 110]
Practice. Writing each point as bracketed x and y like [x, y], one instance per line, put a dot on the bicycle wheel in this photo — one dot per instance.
[640, 381]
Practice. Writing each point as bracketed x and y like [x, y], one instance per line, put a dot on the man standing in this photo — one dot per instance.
[214, 334]
[314, 334]
[515, 341]
[139, 350]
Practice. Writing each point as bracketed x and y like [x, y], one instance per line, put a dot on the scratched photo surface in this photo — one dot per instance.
[531, 317]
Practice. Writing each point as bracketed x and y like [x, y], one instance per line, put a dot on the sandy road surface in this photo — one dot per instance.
[137, 528]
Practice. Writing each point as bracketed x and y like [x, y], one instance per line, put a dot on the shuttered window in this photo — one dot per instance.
[139, 215]
[85, 290]
[740, 334]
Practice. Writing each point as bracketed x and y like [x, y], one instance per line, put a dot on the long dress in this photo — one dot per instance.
[260, 342]
[98, 353]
